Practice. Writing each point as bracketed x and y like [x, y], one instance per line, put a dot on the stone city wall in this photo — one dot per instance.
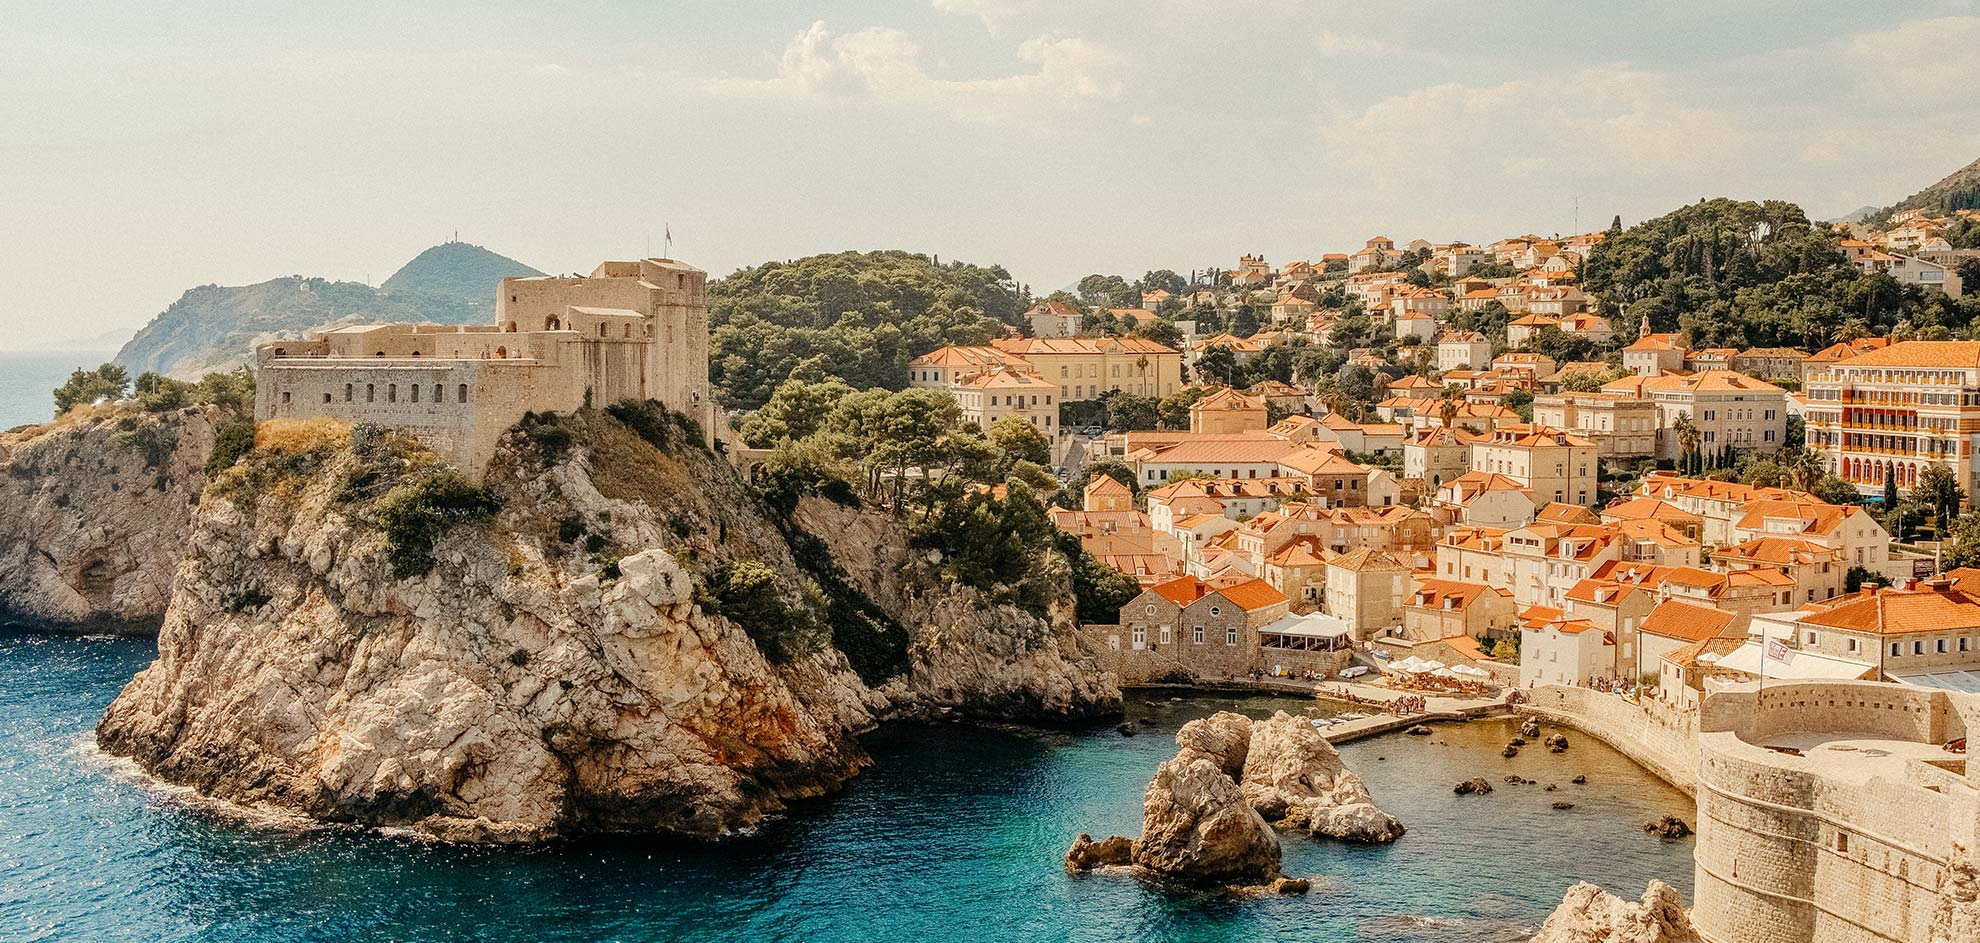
[1797, 850]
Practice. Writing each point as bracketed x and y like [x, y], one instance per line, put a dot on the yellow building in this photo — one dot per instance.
[1227, 412]
[1085, 367]
[988, 397]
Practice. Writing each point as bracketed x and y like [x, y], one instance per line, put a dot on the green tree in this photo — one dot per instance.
[1161, 331]
[794, 411]
[1018, 440]
[1963, 546]
[1938, 491]
[1129, 412]
[106, 382]
[1519, 401]
[1173, 410]
[1216, 365]
[859, 316]
[1689, 440]
[1835, 490]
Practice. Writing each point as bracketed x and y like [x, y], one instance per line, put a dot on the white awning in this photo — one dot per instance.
[1315, 625]
[1799, 665]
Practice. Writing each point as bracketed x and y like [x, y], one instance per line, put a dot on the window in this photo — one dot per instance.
[391, 392]
[1940, 645]
[371, 392]
[347, 392]
[1216, 610]
[1165, 635]
[1197, 635]
[1812, 638]
[1850, 645]
[285, 397]
[1897, 650]
[439, 393]
[326, 397]
[460, 395]
[1918, 648]
[415, 392]
[1962, 643]
[1230, 636]
[1140, 637]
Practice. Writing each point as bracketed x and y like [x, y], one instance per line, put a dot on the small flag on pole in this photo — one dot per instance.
[1777, 650]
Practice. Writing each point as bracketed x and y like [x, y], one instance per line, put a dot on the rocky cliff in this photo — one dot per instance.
[97, 506]
[609, 633]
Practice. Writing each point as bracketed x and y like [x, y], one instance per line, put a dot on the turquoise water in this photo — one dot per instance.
[955, 835]
[28, 381]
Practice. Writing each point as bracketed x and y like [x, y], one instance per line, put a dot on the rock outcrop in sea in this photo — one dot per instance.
[1588, 914]
[610, 632]
[1205, 814]
[97, 507]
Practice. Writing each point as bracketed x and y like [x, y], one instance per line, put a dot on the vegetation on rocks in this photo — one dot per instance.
[421, 508]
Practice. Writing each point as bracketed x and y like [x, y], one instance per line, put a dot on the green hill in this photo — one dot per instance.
[216, 327]
[1960, 190]
[456, 270]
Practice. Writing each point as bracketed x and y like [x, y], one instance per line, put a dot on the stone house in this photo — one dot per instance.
[1439, 609]
[1187, 629]
[1367, 588]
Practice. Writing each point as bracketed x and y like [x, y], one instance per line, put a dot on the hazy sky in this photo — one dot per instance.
[148, 148]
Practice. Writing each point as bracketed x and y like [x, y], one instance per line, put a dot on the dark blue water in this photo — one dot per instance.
[954, 836]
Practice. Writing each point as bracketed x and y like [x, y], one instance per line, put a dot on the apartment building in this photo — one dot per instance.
[1554, 464]
[1890, 413]
[1620, 425]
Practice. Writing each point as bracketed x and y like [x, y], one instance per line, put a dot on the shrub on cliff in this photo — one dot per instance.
[746, 592]
[1099, 591]
[83, 387]
[420, 509]
[230, 443]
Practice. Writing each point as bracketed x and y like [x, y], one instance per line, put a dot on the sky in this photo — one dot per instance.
[150, 150]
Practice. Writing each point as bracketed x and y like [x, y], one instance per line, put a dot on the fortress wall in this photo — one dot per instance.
[1661, 745]
[1795, 849]
[465, 431]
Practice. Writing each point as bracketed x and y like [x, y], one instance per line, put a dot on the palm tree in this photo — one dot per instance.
[1689, 439]
[1804, 469]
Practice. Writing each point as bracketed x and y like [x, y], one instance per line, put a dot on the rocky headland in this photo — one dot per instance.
[610, 631]
[97, 508]
[1588, 914]
[1208, 813]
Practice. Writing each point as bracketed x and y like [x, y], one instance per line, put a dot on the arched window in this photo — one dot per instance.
[415, 392]
[501, 353]
[347, 392]
[391, 392]
[552, 324]
[439, 393]
[280, 351]
[461, 394]
[602, 327]
[371, 392]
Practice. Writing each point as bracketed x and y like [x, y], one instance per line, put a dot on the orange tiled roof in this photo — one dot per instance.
[1899, 612]
[1253, 594]
[1682, 620]
[1181, 591]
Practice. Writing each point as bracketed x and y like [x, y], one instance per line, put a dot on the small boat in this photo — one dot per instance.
[1354, 672]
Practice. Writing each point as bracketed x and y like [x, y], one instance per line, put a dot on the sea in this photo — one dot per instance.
[28, 381]
[954, 835]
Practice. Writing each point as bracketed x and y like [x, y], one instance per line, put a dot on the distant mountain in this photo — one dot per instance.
[1960, 190]
[1857, 215]
[215, 327]
[457, 270]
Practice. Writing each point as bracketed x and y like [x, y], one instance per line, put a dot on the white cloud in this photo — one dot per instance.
[997, 15]
[884, 64]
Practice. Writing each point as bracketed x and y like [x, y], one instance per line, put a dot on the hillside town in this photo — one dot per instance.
[1496, 476]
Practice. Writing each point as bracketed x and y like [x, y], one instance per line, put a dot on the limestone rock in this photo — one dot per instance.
[1196, 826]
[1588, 914]
[1473, 787]
[1224, 738]
[524, 688]
[1087, 854]
[94, 510]
[966, 653]
[1530, 729]
[1667, 827]
[1292, 775]
[1557, 743]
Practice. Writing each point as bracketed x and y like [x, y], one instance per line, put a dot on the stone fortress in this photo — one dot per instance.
[629, 330]
[1834, 812]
